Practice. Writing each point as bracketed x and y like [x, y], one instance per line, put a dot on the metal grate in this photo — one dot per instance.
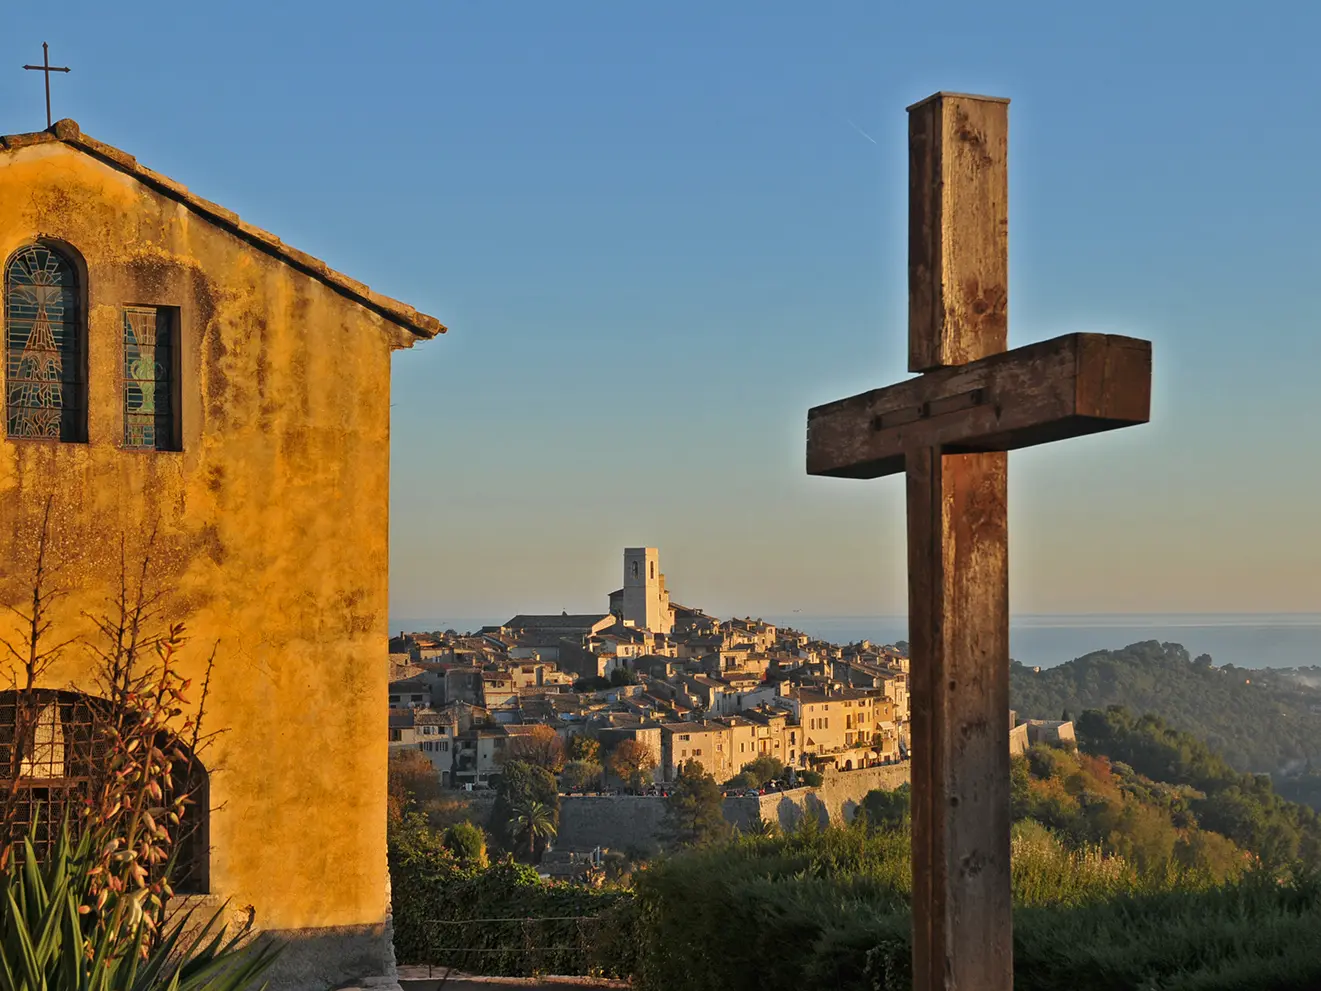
[44, 394]
[193, 834]
[46, 758]
[52, 751]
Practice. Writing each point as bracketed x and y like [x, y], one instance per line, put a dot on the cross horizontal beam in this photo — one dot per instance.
[1066, 387]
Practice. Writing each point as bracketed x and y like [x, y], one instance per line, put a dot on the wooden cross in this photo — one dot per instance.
[948, 430]
[47, 68]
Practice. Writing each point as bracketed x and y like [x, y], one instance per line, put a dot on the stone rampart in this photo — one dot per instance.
[632, 822]
[620, 822]
[836, 799]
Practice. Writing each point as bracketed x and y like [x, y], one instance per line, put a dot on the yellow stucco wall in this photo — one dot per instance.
[273, 523]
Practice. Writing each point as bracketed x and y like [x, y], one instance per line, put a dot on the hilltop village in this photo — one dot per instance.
[679, 683]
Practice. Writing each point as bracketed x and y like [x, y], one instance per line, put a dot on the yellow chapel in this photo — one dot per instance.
[179, 381]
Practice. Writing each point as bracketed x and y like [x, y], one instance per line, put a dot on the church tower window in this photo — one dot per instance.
[150, 377]
[45, 385]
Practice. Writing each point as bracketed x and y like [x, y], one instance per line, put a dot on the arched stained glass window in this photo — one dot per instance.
[44, 394]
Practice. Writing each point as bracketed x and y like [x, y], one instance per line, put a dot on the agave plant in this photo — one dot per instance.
[52, 939]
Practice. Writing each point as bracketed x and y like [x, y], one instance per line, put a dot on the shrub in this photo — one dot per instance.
[886, 808]
[412, 780]
[466, 843]
[545, 927]
[828, 907]
[580, 775]
[91, 913]
[757, 772]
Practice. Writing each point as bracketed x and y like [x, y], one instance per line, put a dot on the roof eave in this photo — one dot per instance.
[419, 325]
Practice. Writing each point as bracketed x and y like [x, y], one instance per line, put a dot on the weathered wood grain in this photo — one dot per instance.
[958, 579]
[958, 229]
[1072, 385]
[926, 713]
[950, 429]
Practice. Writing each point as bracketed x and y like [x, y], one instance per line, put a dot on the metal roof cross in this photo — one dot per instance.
[47, 68]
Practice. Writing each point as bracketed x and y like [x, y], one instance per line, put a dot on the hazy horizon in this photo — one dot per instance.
[1251, 640]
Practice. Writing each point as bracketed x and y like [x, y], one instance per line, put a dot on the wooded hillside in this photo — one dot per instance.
[1259, 720]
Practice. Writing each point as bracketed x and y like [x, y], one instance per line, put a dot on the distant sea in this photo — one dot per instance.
[1249, 640]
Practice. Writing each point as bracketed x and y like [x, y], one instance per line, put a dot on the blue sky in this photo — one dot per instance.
[659, 237]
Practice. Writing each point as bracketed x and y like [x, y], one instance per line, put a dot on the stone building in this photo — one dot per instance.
[182, 382]
[644, 601]
[706, 743]
[846, 728]
[1054, 732]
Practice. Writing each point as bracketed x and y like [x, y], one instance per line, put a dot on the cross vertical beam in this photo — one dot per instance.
[958, 229]
[47, 69]
[959, 642]
[958, 562]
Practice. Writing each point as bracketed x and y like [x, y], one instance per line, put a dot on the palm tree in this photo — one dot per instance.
[535, 821]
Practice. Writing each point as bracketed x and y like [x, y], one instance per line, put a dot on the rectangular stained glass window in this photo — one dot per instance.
[150, 355]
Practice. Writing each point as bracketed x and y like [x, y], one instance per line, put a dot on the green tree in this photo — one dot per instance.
[757, 772]
[1145, 836]
[1204, 850]
[694, 814]
[534, 824]
[580, 775]
[519, 785]
[887, 809]
[584, 747]
[1020, 788]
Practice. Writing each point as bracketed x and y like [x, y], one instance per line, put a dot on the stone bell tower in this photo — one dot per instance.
[646, 602]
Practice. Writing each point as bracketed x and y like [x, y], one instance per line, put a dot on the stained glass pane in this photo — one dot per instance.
[148, 383]
[43, 347]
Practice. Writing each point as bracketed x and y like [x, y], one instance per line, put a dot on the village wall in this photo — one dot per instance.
[633, 822]
[620, 822]
[836, 799]
[1018, 741]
